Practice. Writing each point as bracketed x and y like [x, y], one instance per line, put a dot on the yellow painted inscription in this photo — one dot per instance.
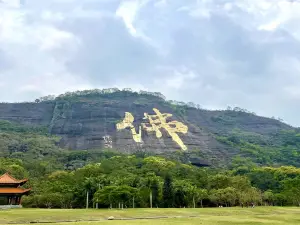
[159, 120]
[127, 123]
[156, 122]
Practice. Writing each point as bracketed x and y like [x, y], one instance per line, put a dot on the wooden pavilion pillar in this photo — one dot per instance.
[18, 200]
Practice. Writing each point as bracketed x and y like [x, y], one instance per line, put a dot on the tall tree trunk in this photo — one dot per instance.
[87, 199]
[151, 199]
[194, 202]
[201, 203]
[133, 202]
[97, 199]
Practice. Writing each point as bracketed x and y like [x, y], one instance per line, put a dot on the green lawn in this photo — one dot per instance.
[208, 216]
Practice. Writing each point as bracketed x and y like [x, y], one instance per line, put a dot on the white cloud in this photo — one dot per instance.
[35, 49]
[127, 11]
[10, 3]
[213, 52]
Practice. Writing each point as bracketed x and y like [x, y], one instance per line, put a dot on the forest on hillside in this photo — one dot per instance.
[262, 171]
[133, 181]
[62, 178]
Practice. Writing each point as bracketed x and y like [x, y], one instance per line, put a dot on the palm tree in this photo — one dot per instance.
[88, 184]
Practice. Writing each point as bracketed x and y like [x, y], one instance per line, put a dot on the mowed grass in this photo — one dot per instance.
[208, 216]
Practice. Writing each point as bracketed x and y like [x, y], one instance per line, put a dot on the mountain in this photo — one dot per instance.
[144, 122]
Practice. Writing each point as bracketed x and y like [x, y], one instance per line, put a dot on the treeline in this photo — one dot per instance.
[114, 91]
[111, 91]
[97, 92]
[131, 181]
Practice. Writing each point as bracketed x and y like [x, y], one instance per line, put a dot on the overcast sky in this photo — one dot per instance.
[216, 53]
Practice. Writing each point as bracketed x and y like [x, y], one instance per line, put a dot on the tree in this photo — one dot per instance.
[251, 195]
[158, 165]
[269, 197]
[46, 98]
[118, 195]
[179, 198]
[219, 181]
[155, 192]
[106, 196]
[88, 186]
[187, 194]
[152, 184]
[200, 195]
[280, 199]
[50, 200]
[225, 196]
[168, 192]
[292, 190]
[263, 178]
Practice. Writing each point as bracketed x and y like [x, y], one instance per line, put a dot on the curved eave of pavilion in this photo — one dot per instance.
[7, 179]
[20, 183]
[23, 181]
[14, 191]
[27, 191]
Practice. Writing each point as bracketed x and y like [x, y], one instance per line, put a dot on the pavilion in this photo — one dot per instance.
[11, 191]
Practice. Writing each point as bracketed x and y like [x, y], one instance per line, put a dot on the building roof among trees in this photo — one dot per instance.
[13, 190]
[8, 179]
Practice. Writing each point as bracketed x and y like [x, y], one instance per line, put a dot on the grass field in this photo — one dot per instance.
[208, 216]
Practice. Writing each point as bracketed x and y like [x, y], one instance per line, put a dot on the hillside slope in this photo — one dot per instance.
[132, 122]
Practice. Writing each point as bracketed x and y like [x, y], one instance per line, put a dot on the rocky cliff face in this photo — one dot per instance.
[130, 122]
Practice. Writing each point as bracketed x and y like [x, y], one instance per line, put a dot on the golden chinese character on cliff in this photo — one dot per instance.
[127, 123]
[156, 122]
[159, 121]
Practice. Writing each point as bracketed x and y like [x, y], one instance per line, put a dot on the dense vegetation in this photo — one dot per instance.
[131, 181]
[282, 148]
[63, 179]
[264, 170]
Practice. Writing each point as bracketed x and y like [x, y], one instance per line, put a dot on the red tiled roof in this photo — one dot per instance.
[7, 179]
[13, 191]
